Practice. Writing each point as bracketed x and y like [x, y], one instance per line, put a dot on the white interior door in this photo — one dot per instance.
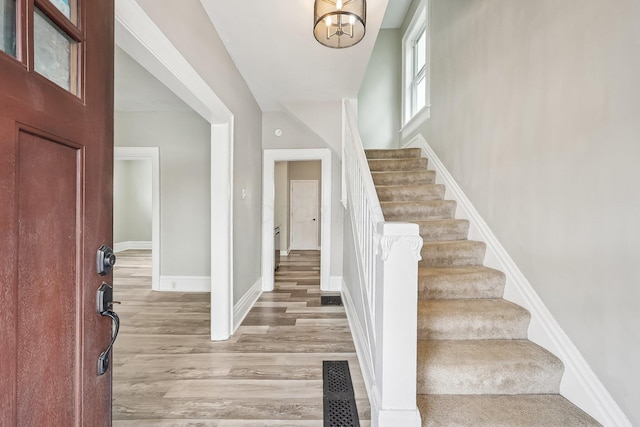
[304, 215]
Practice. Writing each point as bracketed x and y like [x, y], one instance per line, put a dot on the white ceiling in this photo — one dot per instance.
[272, 44]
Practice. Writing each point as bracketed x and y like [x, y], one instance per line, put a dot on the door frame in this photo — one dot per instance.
[153, 154]
[141, 39]
[291, 182]
[270, 157]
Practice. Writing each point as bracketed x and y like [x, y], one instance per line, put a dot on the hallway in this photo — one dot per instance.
[168, 373]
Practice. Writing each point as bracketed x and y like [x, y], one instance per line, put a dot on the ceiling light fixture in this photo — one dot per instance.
[339, 23]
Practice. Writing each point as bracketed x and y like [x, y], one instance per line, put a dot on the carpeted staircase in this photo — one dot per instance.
[476, 366]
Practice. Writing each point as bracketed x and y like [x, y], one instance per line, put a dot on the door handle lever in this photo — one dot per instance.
[104, 301]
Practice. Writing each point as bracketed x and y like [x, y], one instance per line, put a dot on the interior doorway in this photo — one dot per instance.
[141, 156]
[271, 158]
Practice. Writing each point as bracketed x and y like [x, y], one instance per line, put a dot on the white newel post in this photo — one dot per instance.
[396, 326]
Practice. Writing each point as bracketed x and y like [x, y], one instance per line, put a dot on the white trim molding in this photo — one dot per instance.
[579, 383]
[141, 39]
[270, 157]
[185, 283]
[335, 285]
[244, 305]
[131, 245]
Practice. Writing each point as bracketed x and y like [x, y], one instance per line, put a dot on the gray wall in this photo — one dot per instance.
[295, 136]
[379, 99]
[185, 190]
[536, 113]
[192, 33]
[132, 207]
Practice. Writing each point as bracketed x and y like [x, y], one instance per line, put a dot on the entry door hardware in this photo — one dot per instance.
[104, 305]
[105, 260]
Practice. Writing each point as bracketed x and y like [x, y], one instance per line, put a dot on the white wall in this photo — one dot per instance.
[294, 133]
[132, 201]
[192, 33]
[185, 209]
[535, 109]
[379, 99]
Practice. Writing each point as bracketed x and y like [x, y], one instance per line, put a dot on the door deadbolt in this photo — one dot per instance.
[105, 260]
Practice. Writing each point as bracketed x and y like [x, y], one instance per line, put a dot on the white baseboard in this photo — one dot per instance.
[130, 245]
[335, 284]
[244, 305]
[284, 253]
[579, 384]
[185, 283]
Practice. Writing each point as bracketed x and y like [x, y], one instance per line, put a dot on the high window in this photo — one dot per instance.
[415, 61]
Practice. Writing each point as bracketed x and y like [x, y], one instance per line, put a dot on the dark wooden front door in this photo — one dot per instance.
[56, 162]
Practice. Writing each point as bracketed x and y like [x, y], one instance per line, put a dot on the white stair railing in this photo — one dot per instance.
[387, 255]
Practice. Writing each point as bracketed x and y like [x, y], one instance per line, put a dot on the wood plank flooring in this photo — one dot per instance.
[167, 372]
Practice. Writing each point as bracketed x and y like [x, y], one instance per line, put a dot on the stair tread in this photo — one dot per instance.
[409, 211]
[410, 192]
[486, 367]
[452, 253]
[398, 164]
[424, 176]
[457, 319]
[392, 153]
[529, 410]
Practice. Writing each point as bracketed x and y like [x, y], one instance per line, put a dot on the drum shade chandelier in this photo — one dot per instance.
[339, 23]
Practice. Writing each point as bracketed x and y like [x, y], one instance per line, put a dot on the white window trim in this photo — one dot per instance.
[418, 23]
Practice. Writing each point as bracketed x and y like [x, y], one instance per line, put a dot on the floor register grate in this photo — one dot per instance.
[339, 401]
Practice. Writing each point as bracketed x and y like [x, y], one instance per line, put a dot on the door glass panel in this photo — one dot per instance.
[8, 26]
[67, 7]
[55, 54]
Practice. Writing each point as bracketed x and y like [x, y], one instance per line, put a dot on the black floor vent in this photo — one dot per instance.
[339, 401]
[330, 299]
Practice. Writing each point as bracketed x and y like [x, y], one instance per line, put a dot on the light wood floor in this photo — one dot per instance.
[167, 372]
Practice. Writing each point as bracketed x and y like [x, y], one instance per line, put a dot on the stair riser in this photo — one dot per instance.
[408, 212]
[440, 231]
[520, 410]
[487, 367]
[393, 154]
[502, 380]
[453, 256]
[461, 286]
[420, 193]
[397, 164]
[483, 319]
[401, 178]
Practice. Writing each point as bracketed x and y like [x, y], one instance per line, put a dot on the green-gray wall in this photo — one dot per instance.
[132, 204]
[190, 30]
[184, 140]
[379, 98]
[536, 113]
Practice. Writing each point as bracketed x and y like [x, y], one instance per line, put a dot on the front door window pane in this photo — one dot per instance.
[55, 53]
[8, 27]
[67, 7]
